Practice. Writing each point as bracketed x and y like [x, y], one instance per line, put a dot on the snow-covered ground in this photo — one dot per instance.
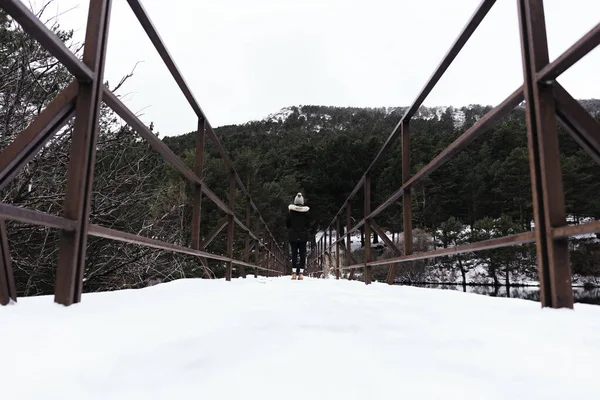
[282, 339]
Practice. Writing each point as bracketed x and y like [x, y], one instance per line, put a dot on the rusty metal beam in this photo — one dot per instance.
[385, 238]
[407, 195]
[208, 240]
[48, 39]
[39, 218]
[199, 171]
[129, 117]
[230, 223]
[337, 248]
[575, 230]
[267, 258]
[229, 165]
[223, 153]
[30, 140]
[7, 280]
[367, 211]
[544, 160]
[406, 199]
[350, 231]
[160, 47]
[34, 27]
[567, 59]
[146, 23]
[358, 186]
[330, 237]
[257, 254]
[478, 16]
[511, 240]
[80, 175]
[91, 92]
[348, 244]
[468, 30]
[584, 129]
[397, 252]
[23, 15]
[113, 234]
[247, 244]
[244, 191]
[215, 199]
[489, 119]
[460, 143]
[243, 227]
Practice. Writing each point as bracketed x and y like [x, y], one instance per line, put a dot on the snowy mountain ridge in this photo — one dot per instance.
[311, 112]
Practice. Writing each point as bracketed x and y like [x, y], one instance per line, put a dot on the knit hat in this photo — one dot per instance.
[299, 200]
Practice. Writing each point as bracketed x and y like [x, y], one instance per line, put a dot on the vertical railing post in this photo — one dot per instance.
[7, 280]
[271, 258]
[406, 199]
[348, 244]
[329, 247]
[284, 266]
[318, 260]
[280, 260]
[268, 256]
[247, 247]
[199, 170]
[279, 263]
[337, 247]
[82, 158]
[367, 199]
[266, 259]
[317, 254]
[315, 257]
[257, 247]
[323, 239]
[544, 160]
[323, 253]
[230, 223]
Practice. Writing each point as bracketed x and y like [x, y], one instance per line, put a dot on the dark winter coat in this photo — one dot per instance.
[299, 223]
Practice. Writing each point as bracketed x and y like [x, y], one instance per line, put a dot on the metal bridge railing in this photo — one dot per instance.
[81, 100]
[546, 103]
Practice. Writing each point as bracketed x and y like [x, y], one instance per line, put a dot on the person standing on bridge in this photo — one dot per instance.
[299, 226]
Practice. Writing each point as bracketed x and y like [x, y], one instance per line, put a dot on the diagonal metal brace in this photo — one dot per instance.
[397, 252]
[578, 122]
[43, 128]
[208, 240]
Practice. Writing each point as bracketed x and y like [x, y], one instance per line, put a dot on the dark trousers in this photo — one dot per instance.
[298, 247]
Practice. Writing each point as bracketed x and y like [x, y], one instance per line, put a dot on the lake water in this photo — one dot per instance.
[582, 295]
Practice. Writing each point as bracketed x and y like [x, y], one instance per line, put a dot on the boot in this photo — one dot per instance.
[293, 276]
[300, 277]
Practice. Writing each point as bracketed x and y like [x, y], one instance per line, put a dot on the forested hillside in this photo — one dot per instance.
[323, 151]
[485, 191]
[320, 151]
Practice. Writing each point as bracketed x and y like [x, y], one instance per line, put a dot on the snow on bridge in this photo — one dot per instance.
[280, 339]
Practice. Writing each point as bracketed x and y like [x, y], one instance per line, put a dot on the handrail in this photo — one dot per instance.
[88, 74]
[543, 97]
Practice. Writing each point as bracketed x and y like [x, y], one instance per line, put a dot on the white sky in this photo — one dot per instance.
[245, 59]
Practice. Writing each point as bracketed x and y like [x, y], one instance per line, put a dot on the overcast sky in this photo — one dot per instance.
[246, 59]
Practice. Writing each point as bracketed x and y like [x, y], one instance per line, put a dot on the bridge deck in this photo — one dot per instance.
[281, 339]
